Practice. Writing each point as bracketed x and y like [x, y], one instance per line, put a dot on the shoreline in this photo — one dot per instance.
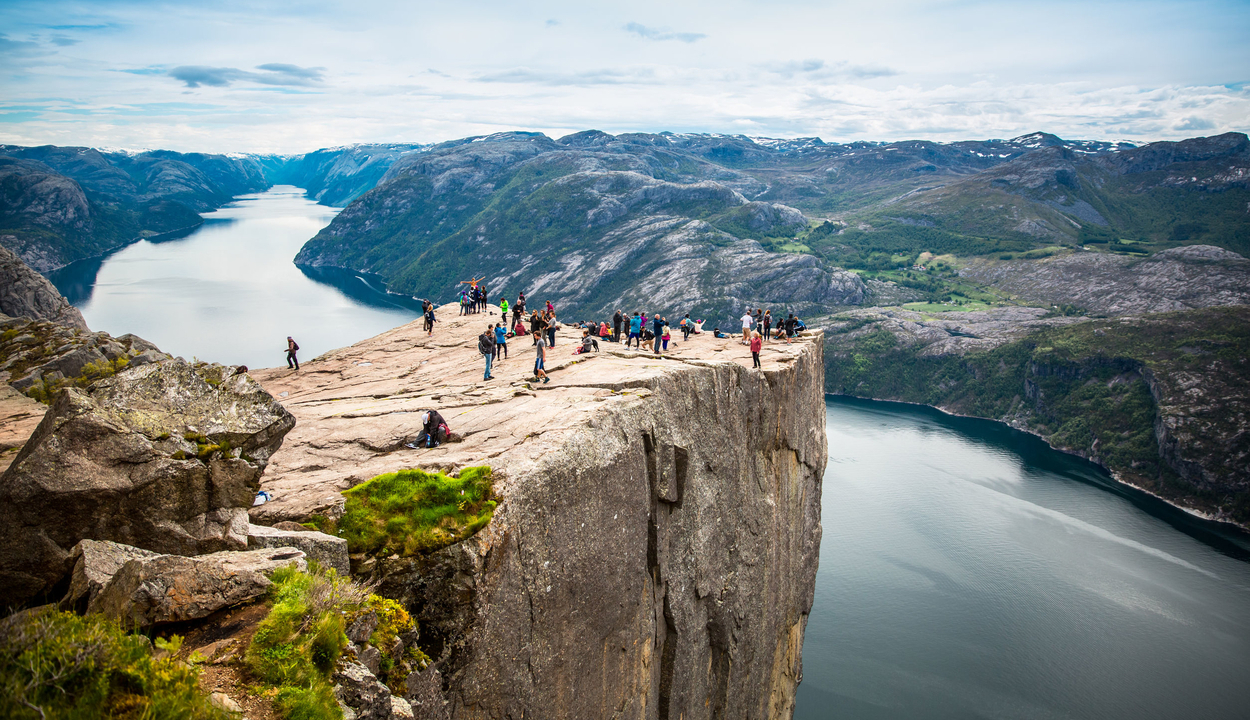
[1113, 475]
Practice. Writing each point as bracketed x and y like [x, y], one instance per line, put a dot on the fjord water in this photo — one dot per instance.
[228, 291]
[969, 571]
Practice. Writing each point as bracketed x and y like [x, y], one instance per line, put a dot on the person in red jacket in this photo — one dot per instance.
[756, 343]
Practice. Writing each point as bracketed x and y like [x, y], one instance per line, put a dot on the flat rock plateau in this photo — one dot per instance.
[654, 549]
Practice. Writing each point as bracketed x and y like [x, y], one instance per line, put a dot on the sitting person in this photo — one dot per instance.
[698, 326]
[716, 333]
[588, 342]
[603, 331]
[434, 431]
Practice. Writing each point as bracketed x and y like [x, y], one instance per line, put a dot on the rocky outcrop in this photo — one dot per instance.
[95, 563]
[164, 457]
[327, 550]
[1183, 278]
[150, 591]
[27, 294]
[655, 545]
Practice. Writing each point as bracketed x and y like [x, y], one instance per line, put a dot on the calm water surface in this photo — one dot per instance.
[228, 292]
[968, 571]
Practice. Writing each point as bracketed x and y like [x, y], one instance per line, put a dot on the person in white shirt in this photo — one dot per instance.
[747, 320]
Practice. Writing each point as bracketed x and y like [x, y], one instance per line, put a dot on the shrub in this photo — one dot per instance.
[59, 665]
[413, 511]
[296, 647]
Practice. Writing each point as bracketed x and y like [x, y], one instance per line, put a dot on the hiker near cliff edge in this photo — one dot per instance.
[291, 348]
[434, 431]
[756, 345]
[617, 319]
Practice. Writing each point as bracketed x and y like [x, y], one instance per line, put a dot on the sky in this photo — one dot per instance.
[292, 76]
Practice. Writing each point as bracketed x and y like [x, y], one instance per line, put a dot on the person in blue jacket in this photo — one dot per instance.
[501, 342]
[658, 324]
[635, 331]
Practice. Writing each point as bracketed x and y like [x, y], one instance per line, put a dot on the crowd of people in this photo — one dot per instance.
[639, 330]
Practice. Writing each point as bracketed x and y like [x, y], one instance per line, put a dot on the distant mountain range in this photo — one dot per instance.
[706, 221]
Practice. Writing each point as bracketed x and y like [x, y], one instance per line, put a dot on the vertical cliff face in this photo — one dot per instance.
[654, 551]
[661, 563]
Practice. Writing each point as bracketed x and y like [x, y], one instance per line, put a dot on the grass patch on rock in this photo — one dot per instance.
[296, 647]
[59, 665]
[414, 511]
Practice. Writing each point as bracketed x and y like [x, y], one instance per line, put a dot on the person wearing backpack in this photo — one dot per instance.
[686, 327]
[291, 348]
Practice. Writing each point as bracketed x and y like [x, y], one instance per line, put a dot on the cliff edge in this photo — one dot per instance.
[654, 550]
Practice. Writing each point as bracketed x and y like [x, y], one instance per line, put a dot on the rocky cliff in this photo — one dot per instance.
[25, 293]
[654, 550]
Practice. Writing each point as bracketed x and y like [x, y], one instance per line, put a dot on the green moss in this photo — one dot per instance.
[413, 511]
[60, 665]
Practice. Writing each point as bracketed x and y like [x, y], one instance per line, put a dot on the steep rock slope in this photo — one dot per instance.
[61, 204]
[654, 550]
[336, 176]
[1162, 400]
[27, 294]
[596, 230]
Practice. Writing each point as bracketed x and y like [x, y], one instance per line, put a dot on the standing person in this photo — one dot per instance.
[667, 337]
[503, 308]
[518, 310]
[635, 330]
[756, 345]
[429, 319]
[292, 347]
[536, 326]
[551, 330]
[658, 329]
[686, 326]
[486, 346]
[501, 342]
[540, 357]
[617, 319]
[768, 322]
[464, 302]
[551, 309]
[789, 327]
[746, 325]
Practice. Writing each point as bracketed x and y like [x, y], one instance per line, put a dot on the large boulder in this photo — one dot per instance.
[95, 564]
[169, 588]
[166, 457]
[327, 550]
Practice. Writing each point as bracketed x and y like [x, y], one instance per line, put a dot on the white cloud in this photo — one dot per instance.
[291, 77]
